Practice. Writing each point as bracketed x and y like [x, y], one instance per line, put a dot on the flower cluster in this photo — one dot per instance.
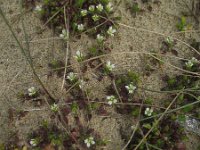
[111, 99]
[82, 83]
[109, 7]
[191, 63]
[34, 142]
[32, 91]
[64, 34]
[80, 27]
[95, 17]
[95, 12]
[89, 141]
[100, 38]
[148, 112]
[84, 12]
[91, 8]
[111, 31]
[79, 56]
[131, 88]
[110, 66]
[99, 7]
[71, 77]
[54, 107]
[38, 8]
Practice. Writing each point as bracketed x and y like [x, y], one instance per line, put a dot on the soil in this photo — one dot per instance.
[145, 33]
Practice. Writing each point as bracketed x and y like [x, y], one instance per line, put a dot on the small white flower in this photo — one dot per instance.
[111, 99]
[89, 141]
[32, 91]
[111, 31]
[82, 83]
[78, 56]
[99, 7]
[80, 27]
[100, 38]
[54, 107]
[63, 35]
[71, 76]
[83, 12]
[190, 63]
[109, 7]
[91, 8]
[148, 111]
[38, 8]
[33, 142]
[131, 88]
[95, 17]
[110, 66]
[194, 60]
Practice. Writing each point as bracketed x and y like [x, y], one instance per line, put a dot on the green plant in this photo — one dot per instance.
[165, 135]
[182, 24]
[55, 139]
[135, 7]
[74, 108]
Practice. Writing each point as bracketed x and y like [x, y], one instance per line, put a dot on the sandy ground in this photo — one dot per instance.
[16, 76]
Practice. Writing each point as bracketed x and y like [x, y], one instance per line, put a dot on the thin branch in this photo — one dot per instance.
[116, 90]
[67, 48]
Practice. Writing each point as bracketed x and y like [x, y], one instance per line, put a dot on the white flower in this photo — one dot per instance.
[82, 83]
[33, 142]
[109, 7]
[194, 60]
[111, 31]
[38, 8]
[148, 111]
[111, 100]
[80, 27]
[131, 88]
[110, 66]
[71, 76]
[100, 38]
[89, 141]
[91, 8]
[79, 56]
[54, 107]
[83, 12]
[190, 63]
[32, 91]
[95, 17]
[63, 35]
[99, 7]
